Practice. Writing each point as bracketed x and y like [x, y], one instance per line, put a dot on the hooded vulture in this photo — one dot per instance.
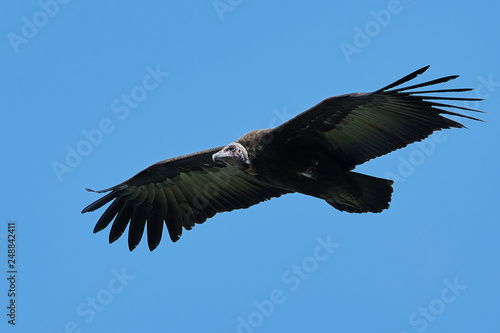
[313, 153]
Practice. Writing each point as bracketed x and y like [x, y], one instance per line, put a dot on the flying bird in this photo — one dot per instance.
[313, 153]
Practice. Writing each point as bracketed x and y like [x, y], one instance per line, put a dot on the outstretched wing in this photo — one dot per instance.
[362, 126]
[180, 191]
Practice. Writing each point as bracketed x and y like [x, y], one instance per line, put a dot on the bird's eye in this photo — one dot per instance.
[231, 148]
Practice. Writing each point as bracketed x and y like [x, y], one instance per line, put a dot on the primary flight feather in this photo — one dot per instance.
[313, 153]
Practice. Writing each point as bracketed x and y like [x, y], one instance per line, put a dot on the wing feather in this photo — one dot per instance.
[121, 221]
[137, 225]
[109, 214]
[173, 215]
[154, 226]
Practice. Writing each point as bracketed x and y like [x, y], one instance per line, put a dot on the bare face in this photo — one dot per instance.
[234, 155]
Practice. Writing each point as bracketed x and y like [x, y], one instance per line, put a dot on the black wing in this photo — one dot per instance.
[180, 191]
[362, 126]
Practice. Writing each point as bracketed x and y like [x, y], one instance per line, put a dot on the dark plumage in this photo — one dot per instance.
[314, 153]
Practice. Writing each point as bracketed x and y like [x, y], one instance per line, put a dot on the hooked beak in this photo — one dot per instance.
[220, 156]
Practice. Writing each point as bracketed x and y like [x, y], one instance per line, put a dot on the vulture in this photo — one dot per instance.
[314, 153]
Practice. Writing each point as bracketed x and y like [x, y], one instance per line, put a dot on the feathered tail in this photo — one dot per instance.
[362, 194]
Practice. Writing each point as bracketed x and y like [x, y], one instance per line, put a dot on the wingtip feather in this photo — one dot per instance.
[404, 79]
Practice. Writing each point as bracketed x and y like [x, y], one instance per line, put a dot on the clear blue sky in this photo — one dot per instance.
[221, 69]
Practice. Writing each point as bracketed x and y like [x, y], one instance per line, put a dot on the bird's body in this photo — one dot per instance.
[314, 154]
[293, 166]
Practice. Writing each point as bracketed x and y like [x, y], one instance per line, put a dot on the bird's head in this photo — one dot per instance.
[234, 155]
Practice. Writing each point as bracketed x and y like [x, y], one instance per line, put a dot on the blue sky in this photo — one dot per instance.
[200, 75]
